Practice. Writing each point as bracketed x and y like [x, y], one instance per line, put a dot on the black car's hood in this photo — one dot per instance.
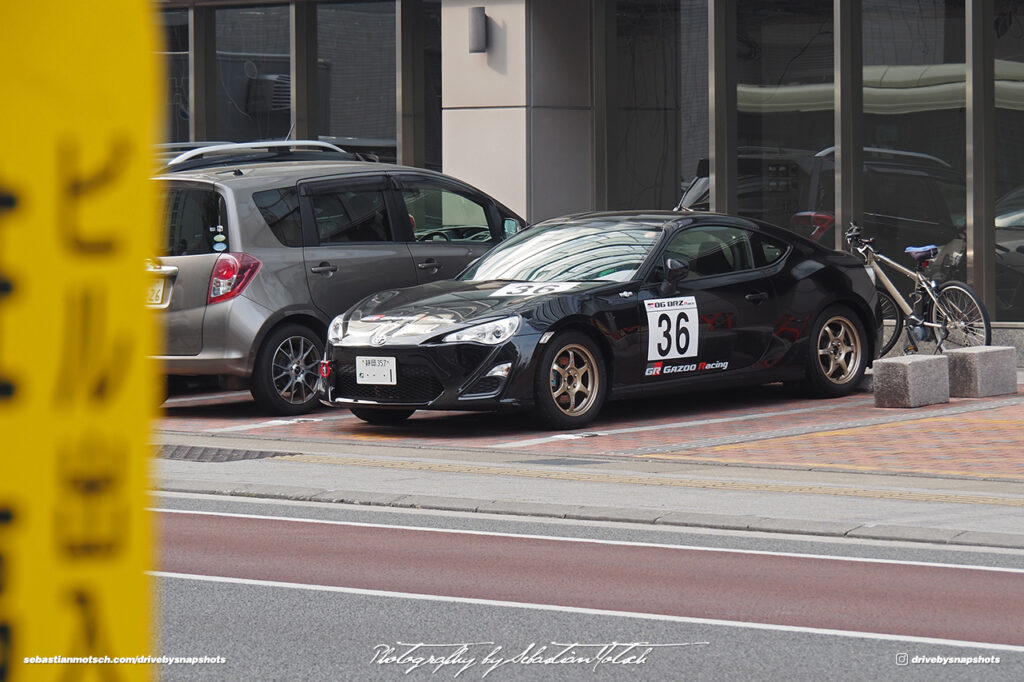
[417, 314]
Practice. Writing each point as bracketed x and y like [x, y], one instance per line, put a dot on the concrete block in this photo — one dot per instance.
[982, 371]
[911, 381]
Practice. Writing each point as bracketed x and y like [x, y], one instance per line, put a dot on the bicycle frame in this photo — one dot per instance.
[911, 319]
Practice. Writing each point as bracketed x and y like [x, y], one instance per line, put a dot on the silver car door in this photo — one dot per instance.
[350, 249]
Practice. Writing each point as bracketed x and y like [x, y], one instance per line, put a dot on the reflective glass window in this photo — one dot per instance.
[914, 127]
[175, 56]
[1009, 152]
[657, 106]
[598, 249]
[253, 100]
[356, 72]
[785, 103]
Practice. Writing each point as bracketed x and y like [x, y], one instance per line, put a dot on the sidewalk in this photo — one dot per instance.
[949, 473]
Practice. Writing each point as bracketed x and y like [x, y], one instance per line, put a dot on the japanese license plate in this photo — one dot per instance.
[155, 293]
[374, 370]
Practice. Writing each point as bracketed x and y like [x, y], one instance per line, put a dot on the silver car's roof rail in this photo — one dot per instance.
[226, 150]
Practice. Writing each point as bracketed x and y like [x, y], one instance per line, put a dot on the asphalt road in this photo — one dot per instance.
[318, 591]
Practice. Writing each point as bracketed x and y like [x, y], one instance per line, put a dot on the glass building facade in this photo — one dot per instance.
[903, 114]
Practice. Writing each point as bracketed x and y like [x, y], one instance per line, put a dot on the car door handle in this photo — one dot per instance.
[757, 297]
[324, 268]
[429, 265]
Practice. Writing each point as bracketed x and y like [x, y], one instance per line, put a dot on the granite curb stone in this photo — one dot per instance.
[982, 371]
[369, 498]
[617, 514]
[804, 527]
[911, 381]
[557, 511]
[886, 532]
[702, 520]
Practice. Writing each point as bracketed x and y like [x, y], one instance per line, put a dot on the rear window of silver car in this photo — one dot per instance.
[196, 222]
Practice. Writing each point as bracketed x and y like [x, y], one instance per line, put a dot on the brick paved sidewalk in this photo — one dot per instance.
[765, 427]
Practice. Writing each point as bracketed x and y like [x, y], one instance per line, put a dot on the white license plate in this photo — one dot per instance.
[155, 293]
[374, 370]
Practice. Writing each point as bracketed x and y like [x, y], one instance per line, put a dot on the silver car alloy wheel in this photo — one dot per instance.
[574, 380]
[840, 350]
[294, 370]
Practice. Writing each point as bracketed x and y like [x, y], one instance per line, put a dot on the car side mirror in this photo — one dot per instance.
[510, 226]
[675, 272]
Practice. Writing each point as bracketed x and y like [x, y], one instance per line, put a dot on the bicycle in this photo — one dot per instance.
[950, 313]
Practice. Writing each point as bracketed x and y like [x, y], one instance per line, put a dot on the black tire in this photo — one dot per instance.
[382, 417]
[570, 384]
[837, 355]
[890, 323]
[970, 324]
[287, 370]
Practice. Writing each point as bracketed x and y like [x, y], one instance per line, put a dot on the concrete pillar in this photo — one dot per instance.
[518, 119]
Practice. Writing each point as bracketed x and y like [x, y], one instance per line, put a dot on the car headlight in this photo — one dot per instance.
[491, 333]
[336, 331]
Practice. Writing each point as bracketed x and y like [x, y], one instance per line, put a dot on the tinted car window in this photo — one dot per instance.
[712, 250]
[195, 222]
[280, 208]
[766, 250]
[351, 216]
[440, 215]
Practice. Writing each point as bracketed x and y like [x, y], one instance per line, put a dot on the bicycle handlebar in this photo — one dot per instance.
[854, 238]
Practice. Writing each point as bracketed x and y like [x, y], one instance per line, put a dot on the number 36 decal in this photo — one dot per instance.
[672, 323]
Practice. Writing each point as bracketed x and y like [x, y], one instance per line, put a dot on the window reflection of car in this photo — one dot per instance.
[950, 263]
[910, 199]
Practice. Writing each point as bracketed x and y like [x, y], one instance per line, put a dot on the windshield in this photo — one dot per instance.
[607, 248]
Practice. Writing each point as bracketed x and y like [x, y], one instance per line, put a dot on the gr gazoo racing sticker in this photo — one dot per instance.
[658, 369]
[533, 288]
[672, 327]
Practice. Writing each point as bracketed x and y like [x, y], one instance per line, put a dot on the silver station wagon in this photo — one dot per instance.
[265, 243]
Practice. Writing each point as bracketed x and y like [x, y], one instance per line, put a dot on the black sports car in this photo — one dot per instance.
[580, 309]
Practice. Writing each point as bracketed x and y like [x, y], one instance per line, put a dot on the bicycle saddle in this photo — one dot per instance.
[920, 253]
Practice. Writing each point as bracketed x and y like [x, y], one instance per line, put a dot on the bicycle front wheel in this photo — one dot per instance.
[890, 322]
[962, 316]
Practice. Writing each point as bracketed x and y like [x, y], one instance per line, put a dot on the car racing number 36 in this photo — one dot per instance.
[672, 325]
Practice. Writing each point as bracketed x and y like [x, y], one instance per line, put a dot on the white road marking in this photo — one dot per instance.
[617, 543]
[278, 422]
[206, 397]
[676, 425]
[594, 612]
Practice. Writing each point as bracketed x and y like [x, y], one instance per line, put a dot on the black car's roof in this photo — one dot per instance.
[652, 218]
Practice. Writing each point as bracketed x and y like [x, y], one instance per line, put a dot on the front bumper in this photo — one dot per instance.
[437, 377]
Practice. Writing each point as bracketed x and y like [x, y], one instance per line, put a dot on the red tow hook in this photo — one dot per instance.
[325, 368]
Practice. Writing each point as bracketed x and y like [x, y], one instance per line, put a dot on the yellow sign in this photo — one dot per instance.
[78, 218]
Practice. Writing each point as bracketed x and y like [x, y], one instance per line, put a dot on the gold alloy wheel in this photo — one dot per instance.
[574, 380]
[839, 350]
